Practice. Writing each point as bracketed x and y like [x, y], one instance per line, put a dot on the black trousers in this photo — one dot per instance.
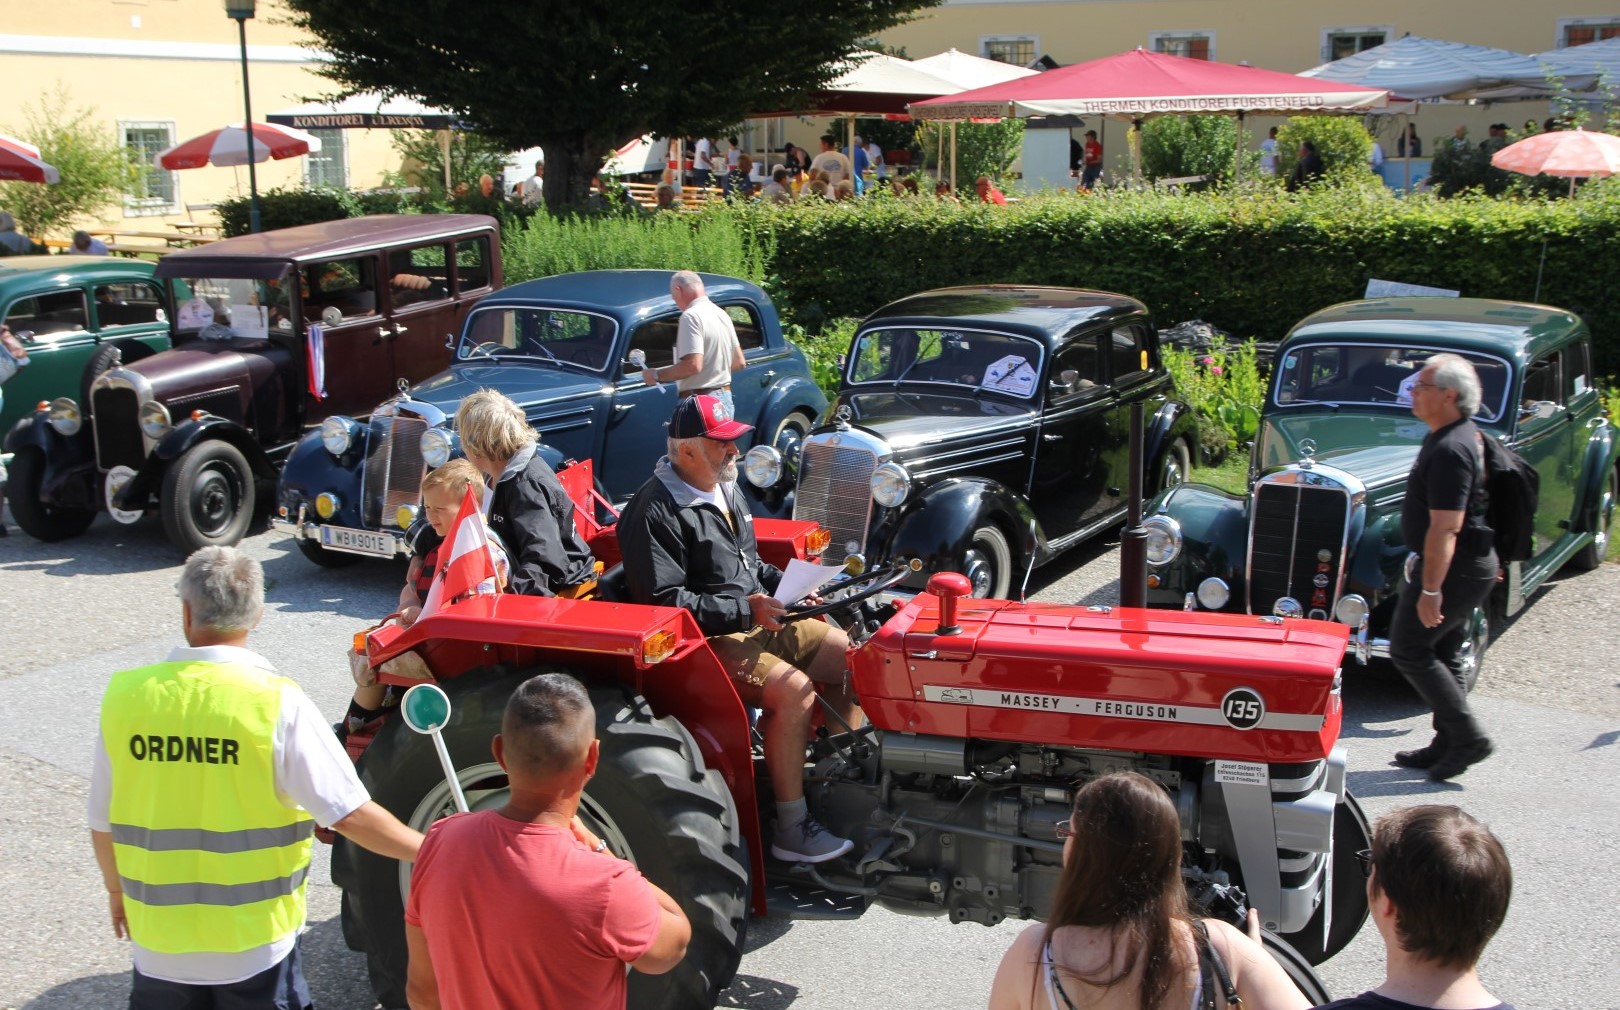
[1428, 657]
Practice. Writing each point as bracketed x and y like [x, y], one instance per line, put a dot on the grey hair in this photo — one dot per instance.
[688, 281]
[672, 445]
[224, 589]
[7, 222]
[1455, 372]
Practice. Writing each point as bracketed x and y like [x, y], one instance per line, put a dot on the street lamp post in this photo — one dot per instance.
[240, 11]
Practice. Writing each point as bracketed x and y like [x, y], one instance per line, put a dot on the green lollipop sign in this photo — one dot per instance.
[426, 709]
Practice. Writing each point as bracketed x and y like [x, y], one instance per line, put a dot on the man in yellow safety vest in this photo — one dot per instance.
[208, 778]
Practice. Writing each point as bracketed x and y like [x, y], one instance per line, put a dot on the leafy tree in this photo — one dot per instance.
[471, 155]
[96, 169]
[581, 78]
[1178, 146]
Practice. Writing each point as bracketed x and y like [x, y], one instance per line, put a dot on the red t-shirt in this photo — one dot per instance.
[523, 915]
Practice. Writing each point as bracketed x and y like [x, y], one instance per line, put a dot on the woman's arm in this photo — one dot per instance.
[1259, 979]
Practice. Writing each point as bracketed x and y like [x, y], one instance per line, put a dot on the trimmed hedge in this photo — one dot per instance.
[1252, 262]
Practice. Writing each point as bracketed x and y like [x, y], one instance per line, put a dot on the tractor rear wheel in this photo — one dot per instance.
[652, 800]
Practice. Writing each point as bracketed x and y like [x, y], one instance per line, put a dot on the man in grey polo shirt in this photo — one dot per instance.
[706, 346]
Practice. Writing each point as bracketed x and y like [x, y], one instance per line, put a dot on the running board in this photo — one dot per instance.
[806, 900]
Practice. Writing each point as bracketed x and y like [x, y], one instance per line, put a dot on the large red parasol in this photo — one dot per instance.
[20, 162]
[1576, 154]
[228, 146]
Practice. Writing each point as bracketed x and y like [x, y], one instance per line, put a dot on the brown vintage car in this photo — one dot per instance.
[272, 333]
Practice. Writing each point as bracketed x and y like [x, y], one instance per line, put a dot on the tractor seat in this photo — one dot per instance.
[610, 587]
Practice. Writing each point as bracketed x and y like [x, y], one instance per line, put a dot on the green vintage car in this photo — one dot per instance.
[78, 316]
[1319, 534]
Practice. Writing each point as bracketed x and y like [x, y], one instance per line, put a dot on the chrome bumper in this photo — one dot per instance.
[302, 529]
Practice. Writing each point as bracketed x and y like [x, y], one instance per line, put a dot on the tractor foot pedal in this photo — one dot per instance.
[804, 900]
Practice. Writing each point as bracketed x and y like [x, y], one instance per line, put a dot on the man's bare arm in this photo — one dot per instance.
[690, 364]
[421, 984]
[372, 827]
[102, 842]
[669, 946]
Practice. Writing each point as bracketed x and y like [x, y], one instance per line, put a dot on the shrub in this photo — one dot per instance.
[282, 208]
[1177, 146]
[1224, 386]
[714, 241]
[824, 349]
[1343, 144]
[981, 149]
[96, 170]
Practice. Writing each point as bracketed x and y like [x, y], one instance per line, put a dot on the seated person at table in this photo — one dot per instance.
[688, 541]
[527, 506]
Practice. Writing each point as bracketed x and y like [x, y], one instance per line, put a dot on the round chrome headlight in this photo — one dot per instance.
[327, 504]
[437, 444]
[405, 515]
[1287, 608]
[64, 416]
[338, 432]
[1213, 593]
[1163, 539]
[155, 422]
[1351, 610]
[891, 485]
[763, 466]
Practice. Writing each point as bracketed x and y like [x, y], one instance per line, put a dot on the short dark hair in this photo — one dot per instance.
[1449, 879]
[548, 725]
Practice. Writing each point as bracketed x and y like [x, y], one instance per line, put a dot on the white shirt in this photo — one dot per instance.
[533, 190]
[700, 155]
[1377, 156]
[1268, 156]
[312, 772]
[706, 329]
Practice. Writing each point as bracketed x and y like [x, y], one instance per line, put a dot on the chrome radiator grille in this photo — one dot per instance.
[393, 473]
[114, 412]
[835, 490]
[1297, 545]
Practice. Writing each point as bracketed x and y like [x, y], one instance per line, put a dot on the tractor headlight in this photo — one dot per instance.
[155, 422]
[763, 466]
[1213, 593]
[327, 504]
[64, 416]
[1163, 539]
[338, 432]
[1351, 610]
[437, 444]
[891, 485]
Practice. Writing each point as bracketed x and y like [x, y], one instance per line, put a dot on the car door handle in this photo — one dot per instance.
[384, 333]
[766, 377]
[398, 329]
[1050, 437]
[623, 408]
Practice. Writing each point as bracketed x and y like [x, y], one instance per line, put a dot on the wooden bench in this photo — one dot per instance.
[689, 198]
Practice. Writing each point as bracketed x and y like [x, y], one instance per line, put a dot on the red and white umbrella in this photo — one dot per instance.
[228, 146]
[1576, 154]
[19, 161]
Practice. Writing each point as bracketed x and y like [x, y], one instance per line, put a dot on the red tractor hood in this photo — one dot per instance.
[1225, 686]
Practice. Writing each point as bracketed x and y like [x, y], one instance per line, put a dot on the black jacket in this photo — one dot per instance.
[679, 551]
[534, 518]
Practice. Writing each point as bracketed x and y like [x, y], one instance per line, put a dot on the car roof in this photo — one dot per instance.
[74, 267]
[1053, 312]
[1513, 330]
[627, 294]
[323, 240]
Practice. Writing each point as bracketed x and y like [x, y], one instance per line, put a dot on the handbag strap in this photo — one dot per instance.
[1212, 968]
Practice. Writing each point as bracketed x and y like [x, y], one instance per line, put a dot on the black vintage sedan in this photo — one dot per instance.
[984, 430]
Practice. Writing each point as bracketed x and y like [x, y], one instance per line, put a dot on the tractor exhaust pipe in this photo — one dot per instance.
[1133, 542]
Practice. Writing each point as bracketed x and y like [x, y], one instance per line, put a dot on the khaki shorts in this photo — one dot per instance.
[749, 655]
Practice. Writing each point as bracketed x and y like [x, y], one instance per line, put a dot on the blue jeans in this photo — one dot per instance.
[281, 987]
[723, 395]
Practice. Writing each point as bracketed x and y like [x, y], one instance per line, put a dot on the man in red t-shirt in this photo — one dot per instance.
[523, 906]
[1094, 161]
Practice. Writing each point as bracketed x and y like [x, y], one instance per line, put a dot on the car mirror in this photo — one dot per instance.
[449, 341]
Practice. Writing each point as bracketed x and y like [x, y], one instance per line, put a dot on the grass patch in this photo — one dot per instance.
[1232, 474]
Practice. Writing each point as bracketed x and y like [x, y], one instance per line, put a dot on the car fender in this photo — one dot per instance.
[70, 460]
[311, 470]
[1597, 463]
[1214, 528]
[1174, 419]
[938, 525]
[181, 440]
[793, 393]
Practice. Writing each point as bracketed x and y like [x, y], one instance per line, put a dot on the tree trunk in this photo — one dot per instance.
[571, 163]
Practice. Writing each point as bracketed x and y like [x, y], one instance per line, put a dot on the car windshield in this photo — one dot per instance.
[1381, 374]
[223, 307]
[564, 337]
[972, 360]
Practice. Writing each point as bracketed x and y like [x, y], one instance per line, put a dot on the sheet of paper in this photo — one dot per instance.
[250, 321]
[801, 578]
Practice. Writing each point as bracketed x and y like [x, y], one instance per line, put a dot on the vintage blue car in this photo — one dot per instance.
[562, 348]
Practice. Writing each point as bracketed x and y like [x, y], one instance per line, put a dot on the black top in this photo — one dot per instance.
[534, 518]
[1370, 1000]
[1446, 477]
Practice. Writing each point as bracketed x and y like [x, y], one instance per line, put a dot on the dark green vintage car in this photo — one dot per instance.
[1319, 533]
[77, 316]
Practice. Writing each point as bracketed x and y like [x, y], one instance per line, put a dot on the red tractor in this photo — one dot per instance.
[984, 715]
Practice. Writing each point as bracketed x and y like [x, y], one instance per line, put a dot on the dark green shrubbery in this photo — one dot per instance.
[283, 208]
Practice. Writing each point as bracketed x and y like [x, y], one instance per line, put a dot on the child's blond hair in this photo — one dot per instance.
[457, 475]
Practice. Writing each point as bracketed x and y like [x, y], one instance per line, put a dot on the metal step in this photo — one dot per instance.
[807, 900]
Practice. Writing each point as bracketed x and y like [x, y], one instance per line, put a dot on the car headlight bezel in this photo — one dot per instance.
[763, 466]
[338, 433]
[64, 416]
[1213, 593]
[891, 485]
[437, 445]
[1164, 540]
[1351, 610]
[154, 420]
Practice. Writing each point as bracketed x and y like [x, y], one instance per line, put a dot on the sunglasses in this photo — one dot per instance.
[1420, 384]
[1065, 830]
[1365, 858]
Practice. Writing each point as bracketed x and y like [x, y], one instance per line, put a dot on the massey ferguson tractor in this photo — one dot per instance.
[984, 718]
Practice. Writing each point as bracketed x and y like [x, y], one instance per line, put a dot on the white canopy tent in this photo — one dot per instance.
[969, 72]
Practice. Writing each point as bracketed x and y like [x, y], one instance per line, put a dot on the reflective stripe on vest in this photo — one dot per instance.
[211, 860]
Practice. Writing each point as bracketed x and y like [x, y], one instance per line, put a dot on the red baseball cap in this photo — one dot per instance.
[705, 417]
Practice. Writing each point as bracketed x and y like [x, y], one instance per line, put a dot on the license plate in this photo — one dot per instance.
[341, 538]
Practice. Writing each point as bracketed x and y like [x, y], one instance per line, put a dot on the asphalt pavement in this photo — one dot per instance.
[80, 610]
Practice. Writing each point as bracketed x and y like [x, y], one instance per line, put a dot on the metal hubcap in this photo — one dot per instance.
[980, 572]
[213, 500]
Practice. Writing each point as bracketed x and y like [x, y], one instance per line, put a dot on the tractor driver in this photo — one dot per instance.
[688, 541]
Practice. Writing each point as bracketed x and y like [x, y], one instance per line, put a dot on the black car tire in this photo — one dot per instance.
[39, 520]
[652, 799]
[208, 496]
[1297, 966]
[1351, 834]
[327, 558]
[1591, 556]
[987, 563]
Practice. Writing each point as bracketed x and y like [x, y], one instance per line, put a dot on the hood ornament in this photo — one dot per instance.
[404, 387]
[843, 415]
[1307, 452]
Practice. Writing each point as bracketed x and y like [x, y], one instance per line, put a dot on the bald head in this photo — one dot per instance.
[547, 729]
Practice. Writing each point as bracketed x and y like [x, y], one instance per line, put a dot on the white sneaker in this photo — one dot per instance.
[807, 842]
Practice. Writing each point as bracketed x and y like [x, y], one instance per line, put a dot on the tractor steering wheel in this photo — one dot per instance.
[881, 579]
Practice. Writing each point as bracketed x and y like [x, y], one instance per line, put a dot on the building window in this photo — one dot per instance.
[1193, 45]
[154, 191]
[1337, 43]
[330, 165]
[1580, 31]
[1019, 50]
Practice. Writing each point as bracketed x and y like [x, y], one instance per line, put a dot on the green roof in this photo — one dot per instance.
[1508, 329]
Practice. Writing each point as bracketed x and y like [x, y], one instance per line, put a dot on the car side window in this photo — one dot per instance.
[347, 285]
[656, 339]
[1541, 386]
[472, 264]
[419, 274]
[1577, 370]
[1127, 353]
[1076, 370]
[128, 304]
[749, 334]
[52, 312]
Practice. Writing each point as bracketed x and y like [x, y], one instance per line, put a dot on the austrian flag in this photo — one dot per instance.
[467, 559]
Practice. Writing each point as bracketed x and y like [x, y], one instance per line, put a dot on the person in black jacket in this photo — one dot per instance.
[527, 506]
[688, 541]
[1307, 169]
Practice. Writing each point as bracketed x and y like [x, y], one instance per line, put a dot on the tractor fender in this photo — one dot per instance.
[1597, 462]
[938, 526]
[181, 440]
[1214, 528]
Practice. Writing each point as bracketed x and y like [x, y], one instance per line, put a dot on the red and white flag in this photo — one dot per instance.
[467, 558]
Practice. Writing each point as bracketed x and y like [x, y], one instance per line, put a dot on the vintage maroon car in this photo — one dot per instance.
[272, 333]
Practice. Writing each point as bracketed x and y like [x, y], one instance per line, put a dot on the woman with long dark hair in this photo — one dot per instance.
[1121, 934]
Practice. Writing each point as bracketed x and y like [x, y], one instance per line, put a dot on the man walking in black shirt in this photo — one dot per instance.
[1453, 568]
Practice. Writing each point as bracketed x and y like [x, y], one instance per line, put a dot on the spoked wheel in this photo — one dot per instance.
[1351, 834]
[208, 496]
[987, 563]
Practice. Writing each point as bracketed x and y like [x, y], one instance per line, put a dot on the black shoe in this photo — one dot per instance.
[1459, 759]
[1421, 758]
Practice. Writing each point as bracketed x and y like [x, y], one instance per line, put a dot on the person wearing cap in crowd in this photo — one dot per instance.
[706, 347]
[688, 541]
